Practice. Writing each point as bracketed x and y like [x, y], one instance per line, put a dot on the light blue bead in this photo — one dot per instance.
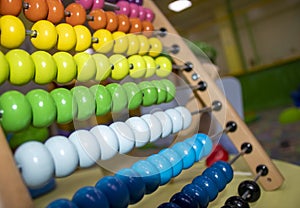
[91, 197]
[207, 143]
[174, 158]
[187, 153]
[163, 166]
[198, 147]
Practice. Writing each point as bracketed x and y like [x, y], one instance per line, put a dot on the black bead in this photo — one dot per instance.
[237, 202]
[246, 146]
[202, 85]
[264, 170]
[252, 189]
[188, 66]
[232, 126]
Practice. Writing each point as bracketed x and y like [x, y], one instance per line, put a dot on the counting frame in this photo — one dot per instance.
[11, 181]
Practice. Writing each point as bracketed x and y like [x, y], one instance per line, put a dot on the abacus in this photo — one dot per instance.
[127, 53]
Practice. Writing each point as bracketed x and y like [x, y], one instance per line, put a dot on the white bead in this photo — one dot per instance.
[88, 149]
[36, 163]
[140, 129]
[186, 115]
[107, 139]
[64, 155]
[125, 136]
[177, 120]
[154, 125]
[166, 123]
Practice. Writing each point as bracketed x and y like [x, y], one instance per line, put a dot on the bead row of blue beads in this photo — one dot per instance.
[203, 189]
[129, 185]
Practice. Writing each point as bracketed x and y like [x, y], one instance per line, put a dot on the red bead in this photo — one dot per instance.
[219, 153]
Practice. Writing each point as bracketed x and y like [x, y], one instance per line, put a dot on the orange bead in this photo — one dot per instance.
[112, 21]
[123, 23]
[10, 7]
[136, 25]
[148, 28]
[56, 11]
[99, 19]
[76, 14]
[35, 10]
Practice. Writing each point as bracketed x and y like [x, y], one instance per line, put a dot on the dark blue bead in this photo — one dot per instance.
[149, 173]
[163, 166]
[91, 197]
[183, 200]
[226, 169]
[134, 183]
[198, 147]
[62, 203]
[115, 191]
[207, 184]
[187, 153]
[197, 193]
[174, 158]
[169, 205]
[217, 176]
[207, 143]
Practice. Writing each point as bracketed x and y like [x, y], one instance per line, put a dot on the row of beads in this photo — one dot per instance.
[19, 67]
[44, 35]
[129, 185]
[41, 108]
[60, 155]
[204, 188]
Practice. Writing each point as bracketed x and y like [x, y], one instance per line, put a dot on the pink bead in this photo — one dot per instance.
[98, 4]
[134, 10]
[142, 13]
[87, 4]
[149, 14]
[124, 8]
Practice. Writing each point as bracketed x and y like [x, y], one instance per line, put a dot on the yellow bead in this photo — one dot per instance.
[134, 45]
[66, 67]
[144, 44]
[164, 66]
[66, 37]
[121, 42]
[46, 35]
[103, 66]
[104, 42]
[120, 66]
[156, 47]
[84, 38]
[86, 66]
[137, 66]
[4, 68]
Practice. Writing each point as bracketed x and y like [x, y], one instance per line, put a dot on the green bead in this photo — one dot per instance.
[15, 110]
[85, 102]
[63, 99]
[103, 99]
[134, 95]
[171, 89]
[119, 97]
[149, 93]
[43, 108]
[161, 90]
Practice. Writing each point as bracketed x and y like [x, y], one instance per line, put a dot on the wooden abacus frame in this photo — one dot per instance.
[13, 192]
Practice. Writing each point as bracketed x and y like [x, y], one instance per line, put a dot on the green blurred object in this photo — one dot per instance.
[205, 50]
[289, 115]
[29, 134]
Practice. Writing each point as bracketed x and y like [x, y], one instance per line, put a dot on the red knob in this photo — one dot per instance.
[35, 10]
[98, 19]
[56, 11]
[75, 14]
[10, 7]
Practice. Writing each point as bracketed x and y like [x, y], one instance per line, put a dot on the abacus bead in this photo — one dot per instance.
[66, 67]
[125, 136]
[121, 42]
[156, 47]
[165, 66]
[148, 28]
[62, 203]
[236, 201]
[123, 23]
[98, 4]
[171, 90]
[161, 91]
[87, 147]
[37, 10]
[46, 35]
[226, 168]
[77, 14]
[86, 66]
[56, 11]
[134, 44]
[64, 105]
[103, 66]
[208, 185]
[115, 191]
[142, 13]
[175, 159]
[9, 7]
[186, 116]
[134, 183]
[16, 111]
[138, 2]
[120, 66]
[149, 93]
[64, 155]
[99, 19]
[84, 38]
[124, 8]
[163, 166]
[169, 205]
[42, 106]
[151, 66]
[103, 99]
[144, 44]
[45, 67]
[197, 193]
[154, 125]
[21, 66]
[207, 143]
[198, 147]
[12, 31]
[184, 200]
[149, 174]
[119, 97]
[36, 163]
[166, 123]
[107, 139]
[87, 4]
[104, 42]
[217, 176]
[111, 21]
[66, 39]
[138, 66]
[140, 129]
[91, 197]
[134, 10]
[84, 100]
[4, 68]
[177, 122]
[186, 151]
[149, 15]
[136, 25]
[134, 95]
[252, 188]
